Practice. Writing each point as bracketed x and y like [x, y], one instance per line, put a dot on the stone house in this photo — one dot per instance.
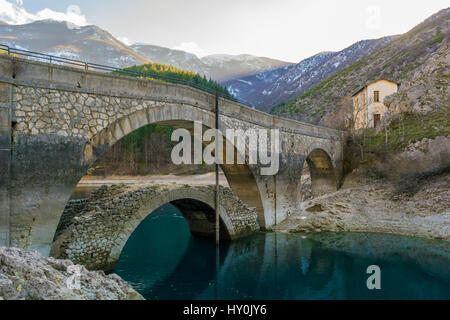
[368, 106]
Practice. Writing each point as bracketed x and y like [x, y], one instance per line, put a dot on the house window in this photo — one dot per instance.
[376, 96]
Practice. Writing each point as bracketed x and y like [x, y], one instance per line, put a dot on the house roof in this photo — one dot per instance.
[373, 81]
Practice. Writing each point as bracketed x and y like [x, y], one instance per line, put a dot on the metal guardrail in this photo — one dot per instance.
[98, 67]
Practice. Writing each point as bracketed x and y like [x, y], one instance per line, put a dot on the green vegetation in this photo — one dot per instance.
[408, 128]
[437, 38]
[175, 75]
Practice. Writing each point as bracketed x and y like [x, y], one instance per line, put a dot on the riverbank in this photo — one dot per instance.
[377, 206]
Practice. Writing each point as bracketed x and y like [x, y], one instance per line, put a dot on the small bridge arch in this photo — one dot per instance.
[322, 170]
[96, 238]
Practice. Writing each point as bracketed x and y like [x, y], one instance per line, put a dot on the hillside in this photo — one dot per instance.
[176, 58]
[246, 87]
[419, 60]
[172, 74]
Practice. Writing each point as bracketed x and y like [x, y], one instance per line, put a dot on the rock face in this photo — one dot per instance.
[424, 157]
[28, 275]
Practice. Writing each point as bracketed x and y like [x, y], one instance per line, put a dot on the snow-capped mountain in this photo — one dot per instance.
[225, 67]
[89, 43]
[220, 67]
[245, 87]
[298, 79]
[418, 60]
[262, 82]
[93, 44]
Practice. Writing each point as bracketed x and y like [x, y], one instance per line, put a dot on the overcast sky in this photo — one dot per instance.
[289, 30]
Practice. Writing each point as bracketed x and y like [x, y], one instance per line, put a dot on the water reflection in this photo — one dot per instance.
[163, 261]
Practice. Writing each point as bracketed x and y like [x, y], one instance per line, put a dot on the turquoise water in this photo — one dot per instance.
[163, 261]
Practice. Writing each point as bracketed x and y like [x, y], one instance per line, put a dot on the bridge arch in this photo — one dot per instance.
[322, 170]
[197, 209]
[96, 238]
[239, 176]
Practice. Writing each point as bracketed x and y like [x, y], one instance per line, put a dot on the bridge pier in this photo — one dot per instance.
[5, 161]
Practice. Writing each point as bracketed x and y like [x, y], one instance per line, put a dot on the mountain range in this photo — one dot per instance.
[269, 88]
[310, 90]
[93, 44]
[261, 82]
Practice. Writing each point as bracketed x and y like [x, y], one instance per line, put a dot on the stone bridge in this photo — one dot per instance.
[55, 121]
[93, 231]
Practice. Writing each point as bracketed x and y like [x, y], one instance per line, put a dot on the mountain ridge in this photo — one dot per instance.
[418, 59]
[304, 75]
[94, 44]
[220, 67]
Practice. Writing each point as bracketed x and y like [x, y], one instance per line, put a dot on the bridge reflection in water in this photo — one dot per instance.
[163, 261]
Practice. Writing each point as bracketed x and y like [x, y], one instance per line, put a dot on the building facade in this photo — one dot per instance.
[368, 106]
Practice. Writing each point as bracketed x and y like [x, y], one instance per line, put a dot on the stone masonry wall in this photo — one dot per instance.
[67, 113]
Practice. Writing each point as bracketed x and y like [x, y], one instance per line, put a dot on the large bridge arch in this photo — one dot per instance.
[240, 177]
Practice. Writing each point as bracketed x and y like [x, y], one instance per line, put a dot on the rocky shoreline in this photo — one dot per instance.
[27, 275]
[375, 206]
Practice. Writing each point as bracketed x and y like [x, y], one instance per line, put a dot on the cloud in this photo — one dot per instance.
[191, 47]
[15, 13]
